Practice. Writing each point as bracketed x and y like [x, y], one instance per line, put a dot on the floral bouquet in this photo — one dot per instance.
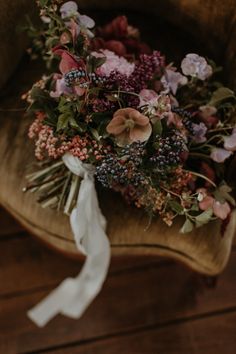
[111, 110]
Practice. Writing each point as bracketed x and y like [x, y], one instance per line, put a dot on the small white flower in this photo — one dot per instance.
[196, 66]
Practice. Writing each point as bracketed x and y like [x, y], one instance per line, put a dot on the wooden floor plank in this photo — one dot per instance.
[129, 301]
[213, 335]
[37, 266]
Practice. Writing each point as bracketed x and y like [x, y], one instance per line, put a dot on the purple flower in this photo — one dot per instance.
[230, 141]
[172, 79]
[220, 155]
[196, 66]
[85, 23]
[199, 132]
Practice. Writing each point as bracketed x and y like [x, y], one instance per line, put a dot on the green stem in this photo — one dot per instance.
[201, 176]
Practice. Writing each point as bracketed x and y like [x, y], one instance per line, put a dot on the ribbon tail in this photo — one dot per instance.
[74, 295]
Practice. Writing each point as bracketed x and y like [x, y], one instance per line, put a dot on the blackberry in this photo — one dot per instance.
[169, 152]
[186, 118]
[73, 76]
[114, 171]
[134, 153]
[96, 78]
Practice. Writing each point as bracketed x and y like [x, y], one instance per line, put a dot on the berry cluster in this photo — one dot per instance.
[168, 154]
[186, 118]
[75, 75]
[134, 153]
[114, 171]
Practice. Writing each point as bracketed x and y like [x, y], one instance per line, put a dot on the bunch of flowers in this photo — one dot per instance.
[160, 136]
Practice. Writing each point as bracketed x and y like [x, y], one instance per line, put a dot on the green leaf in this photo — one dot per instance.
[221, 94]
[73, 122]
[63, 121]
[223, 193]
[204, 217]
[95, 134]
[157, 128]
[94, 62]
[187, 227]
[177, 207]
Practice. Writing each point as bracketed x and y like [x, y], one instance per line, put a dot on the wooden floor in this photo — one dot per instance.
[152, 306]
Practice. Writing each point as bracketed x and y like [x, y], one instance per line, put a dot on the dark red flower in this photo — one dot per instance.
[117, 28]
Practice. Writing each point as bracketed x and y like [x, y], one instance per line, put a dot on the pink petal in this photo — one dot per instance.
[139, 118]
[206, 203]
[220, 155]
[230, 142]
[221, 210]
[124, 111]
[116, 125]
[67, 63]
[146, 95]
[139, 133]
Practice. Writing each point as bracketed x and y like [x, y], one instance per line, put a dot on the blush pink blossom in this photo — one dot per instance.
[230, 141]
[221, 210]
[156, 106]
[129, 125]
[220, 155]
[113, 63]
[60, 87]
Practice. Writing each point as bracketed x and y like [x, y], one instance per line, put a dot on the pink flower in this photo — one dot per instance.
[221, 210]
[113, 63]
[68, 61]
[205, 201]
[147, 96]
[196, 66]
[129, 125]
[157, 106]
[207, 115]
[230, 141]
[172, 79]
[60, 87]
[220, 155]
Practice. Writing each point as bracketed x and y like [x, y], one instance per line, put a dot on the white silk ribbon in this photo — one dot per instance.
[74, 295]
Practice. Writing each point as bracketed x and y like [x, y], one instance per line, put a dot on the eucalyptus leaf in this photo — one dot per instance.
[221, 94]
[187, 227]
[204, 217]
[223, 193]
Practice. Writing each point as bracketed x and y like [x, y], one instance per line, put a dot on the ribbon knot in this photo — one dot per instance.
[88, 224]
